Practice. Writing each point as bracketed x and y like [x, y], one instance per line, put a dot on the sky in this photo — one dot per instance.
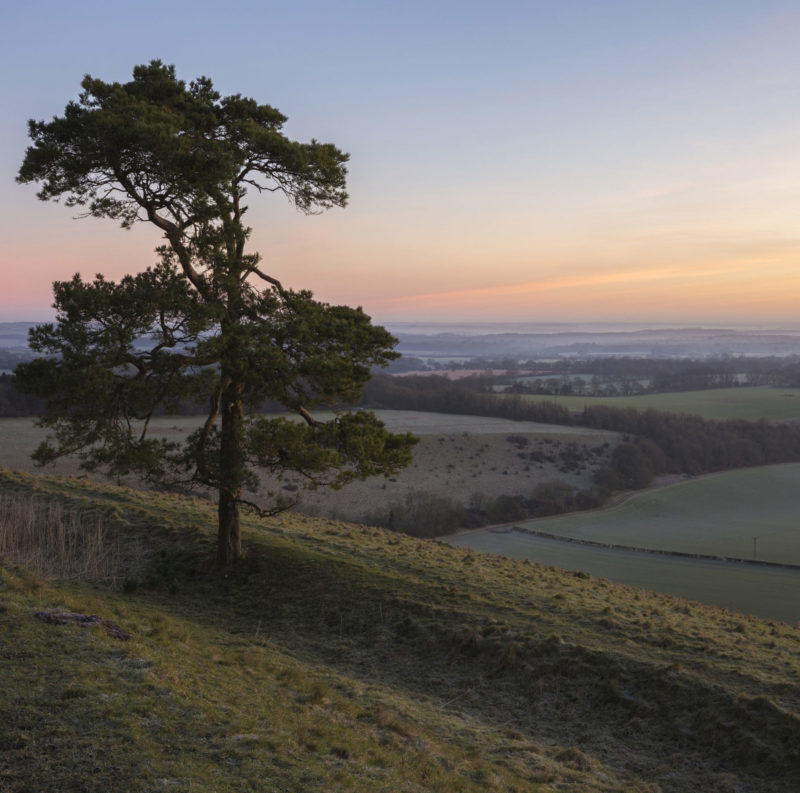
[558, 161]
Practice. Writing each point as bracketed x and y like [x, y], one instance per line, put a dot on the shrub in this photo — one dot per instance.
[421, 514]
[506, 508]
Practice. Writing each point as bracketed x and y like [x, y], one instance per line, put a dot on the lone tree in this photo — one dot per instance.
[216, 326]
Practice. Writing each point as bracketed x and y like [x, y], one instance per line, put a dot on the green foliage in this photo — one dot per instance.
[180, 148]
[353, 445]
[182, 158]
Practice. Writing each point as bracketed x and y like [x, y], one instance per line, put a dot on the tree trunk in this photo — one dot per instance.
[229, 536]
[231, 471]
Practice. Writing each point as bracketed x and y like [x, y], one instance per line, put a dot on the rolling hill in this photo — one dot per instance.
[342, 657]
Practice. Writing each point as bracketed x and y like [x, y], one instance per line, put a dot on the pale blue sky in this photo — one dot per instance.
[554, 160]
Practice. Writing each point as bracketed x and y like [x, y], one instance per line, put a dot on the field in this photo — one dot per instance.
[457, 456]
[751, 404]
[340, 657]
[717, 515]
[768, 592]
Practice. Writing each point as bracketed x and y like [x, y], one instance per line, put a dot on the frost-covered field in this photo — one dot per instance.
[457, 456]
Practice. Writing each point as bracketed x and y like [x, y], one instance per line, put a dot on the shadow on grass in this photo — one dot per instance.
[473, 635]
[428, 640]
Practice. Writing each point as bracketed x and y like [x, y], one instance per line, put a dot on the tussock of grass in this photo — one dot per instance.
[340, 657]
[45, 538]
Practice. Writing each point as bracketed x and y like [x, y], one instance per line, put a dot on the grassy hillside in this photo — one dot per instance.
[340, 657]
[750, 403]
[764, 591]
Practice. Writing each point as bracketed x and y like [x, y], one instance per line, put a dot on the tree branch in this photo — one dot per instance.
[269, 279]
[267, 513]
[309, 419]
[171, 230]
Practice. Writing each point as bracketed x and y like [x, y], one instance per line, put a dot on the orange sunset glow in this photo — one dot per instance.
[571, 162]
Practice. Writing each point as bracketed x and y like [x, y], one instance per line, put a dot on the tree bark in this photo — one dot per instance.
[229, 538]
[231, 470]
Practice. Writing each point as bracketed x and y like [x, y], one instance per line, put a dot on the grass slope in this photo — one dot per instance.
[748, 403]
[762, 590]
[340, 657]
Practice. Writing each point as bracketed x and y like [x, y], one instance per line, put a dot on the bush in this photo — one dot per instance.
[632, 465]
[421, 514]
[607, 480]
[506, 508]
[552, 498]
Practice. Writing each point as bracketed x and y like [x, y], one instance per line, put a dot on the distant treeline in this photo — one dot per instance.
[469, 397]
[677, 374]
[656, 442]
[663, 442]
[610, 376]
[624, 375]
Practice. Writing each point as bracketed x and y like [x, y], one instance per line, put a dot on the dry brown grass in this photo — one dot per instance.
[56, 542]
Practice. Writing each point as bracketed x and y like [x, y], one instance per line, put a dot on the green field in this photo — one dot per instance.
[768, 592]
[751, 404]
[339, 657]
[717, 515]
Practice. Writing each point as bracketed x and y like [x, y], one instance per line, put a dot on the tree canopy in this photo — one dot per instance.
[205, 322]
